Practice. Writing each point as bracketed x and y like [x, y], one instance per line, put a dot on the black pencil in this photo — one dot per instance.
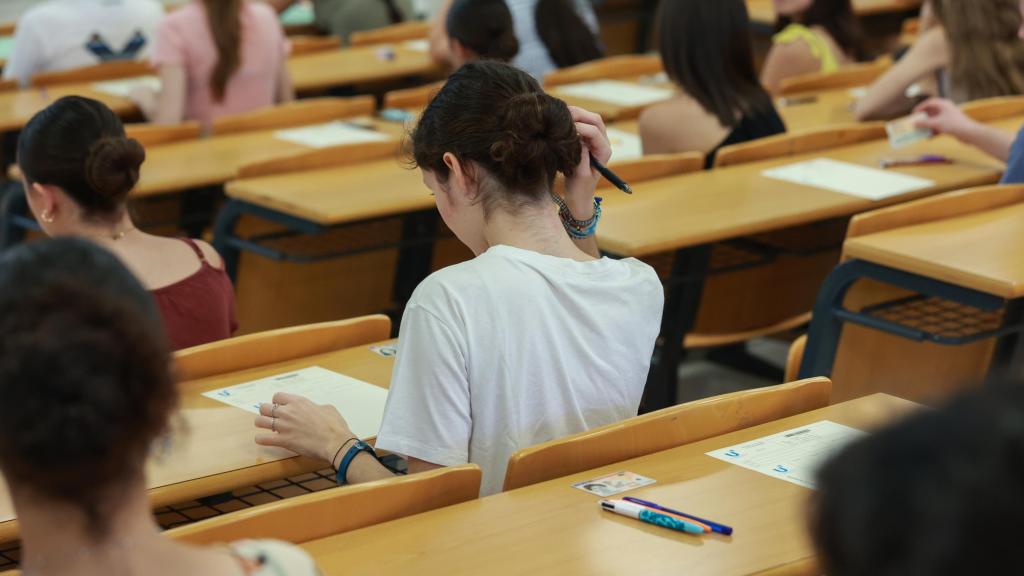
[610, 176]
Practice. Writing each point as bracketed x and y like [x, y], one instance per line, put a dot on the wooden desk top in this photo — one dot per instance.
[17, 107]
[212, 448]
[552, 528]
[356, 65]
[763, 12]
[981, 251]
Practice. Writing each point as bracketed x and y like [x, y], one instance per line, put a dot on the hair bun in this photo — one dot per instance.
[112, 168]
[539, 139]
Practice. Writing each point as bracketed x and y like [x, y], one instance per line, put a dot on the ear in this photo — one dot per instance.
[461, 180]
[46, 198]
[460, 54]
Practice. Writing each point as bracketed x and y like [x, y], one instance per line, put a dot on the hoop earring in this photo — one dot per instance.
[47, 217]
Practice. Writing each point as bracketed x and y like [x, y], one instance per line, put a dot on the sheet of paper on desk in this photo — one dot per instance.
[625, 145]
[793, 455]
[331, 134]
[124, 88]
[616, 92]
[361, 404]
[417, 45]
[846, 178]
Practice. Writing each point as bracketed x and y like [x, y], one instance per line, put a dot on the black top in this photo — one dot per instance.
[751, 127]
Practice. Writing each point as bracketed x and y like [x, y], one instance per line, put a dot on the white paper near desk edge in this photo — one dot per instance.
[625, 145]
[846, 178]
[616, 92]
[125, 87]
[336, 133]
[361, 403]
[792, 455]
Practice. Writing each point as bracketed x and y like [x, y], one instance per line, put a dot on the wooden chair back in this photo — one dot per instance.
[795, 357]
[415, 98]
[297, 113]
[332, 157]
[338, 510]
[991, 109]
[308, 44]
[849, 76]
[280, 345]
[794, 143]
[114, 70]
[389, 34]
[655, 166]
[6, 85]
[664, 429]
[611, 67]
[156, 134]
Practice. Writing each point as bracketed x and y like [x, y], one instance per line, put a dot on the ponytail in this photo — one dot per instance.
[225, 19]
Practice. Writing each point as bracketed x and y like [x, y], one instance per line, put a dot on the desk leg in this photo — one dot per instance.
[682, 301]
[826, 328]
[223, 232]
[414, 257]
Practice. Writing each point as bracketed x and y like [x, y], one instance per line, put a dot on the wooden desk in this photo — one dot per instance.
[17, 107]
[763, 12]
[212, 448]
[357, 65]
[552, 528]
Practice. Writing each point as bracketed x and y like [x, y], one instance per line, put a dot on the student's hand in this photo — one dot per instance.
[297, 424]
[944, 117]
[579, 190]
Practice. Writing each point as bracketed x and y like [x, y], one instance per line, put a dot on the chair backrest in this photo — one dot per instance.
[332, 157]
[338, 510]
[656, 166]
[114, 70]
[849, 76]
[312, 44]
[795, 357]
[297, 113]
[394, 33]
[6, 85]
[280, 345]
[156, 134]
[664, 429]
[991, 109]
[417, 97]
[793, 143]
[611, 67]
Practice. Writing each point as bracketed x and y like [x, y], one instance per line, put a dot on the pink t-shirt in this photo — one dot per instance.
[185, 39]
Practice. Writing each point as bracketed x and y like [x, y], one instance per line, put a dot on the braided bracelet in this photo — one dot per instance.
[579, 229]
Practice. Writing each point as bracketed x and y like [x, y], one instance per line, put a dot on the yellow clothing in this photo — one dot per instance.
[820, 47]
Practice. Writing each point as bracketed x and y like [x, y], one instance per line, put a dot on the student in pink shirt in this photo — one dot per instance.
[219, 57]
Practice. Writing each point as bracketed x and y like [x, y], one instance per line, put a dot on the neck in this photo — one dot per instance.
[57, 538]
[536, 228]
[104, 232]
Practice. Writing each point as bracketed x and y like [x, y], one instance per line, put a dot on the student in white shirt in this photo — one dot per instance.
[64, 34]
[534, 339]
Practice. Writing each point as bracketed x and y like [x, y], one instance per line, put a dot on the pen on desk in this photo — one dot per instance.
[610, 176]
[644, 514]
[715, 526]
[914, 161]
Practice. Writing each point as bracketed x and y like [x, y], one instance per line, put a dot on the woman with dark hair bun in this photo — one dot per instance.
[480, 30]
[78, 167]
[84, 359]
[538, 336]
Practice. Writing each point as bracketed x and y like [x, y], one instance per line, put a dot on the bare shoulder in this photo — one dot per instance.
[789, 59]
[211, 254]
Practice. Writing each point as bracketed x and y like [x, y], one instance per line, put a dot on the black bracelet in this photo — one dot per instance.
[339, 452]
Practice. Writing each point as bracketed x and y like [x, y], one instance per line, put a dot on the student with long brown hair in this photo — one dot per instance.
[973, 53]
[812, 36]
[219, 57]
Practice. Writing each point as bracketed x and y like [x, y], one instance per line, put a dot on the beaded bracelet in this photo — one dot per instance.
[579, 229]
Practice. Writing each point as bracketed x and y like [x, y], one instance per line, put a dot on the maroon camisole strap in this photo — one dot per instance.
[197, 250]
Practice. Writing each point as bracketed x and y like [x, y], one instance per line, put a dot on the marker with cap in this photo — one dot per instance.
[644, 514]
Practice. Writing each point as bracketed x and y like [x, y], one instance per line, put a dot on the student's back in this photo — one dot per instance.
[64, 34]
[813, 36]
[706, 49]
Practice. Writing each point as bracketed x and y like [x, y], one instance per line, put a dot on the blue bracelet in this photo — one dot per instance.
[579, 229]
[341, 476]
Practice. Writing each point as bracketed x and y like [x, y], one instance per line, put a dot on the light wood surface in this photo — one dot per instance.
[849, 76]
[664, 429]
[156, 134]
[794, 143]
[394, 33]
[106, 71]
[296, 113]
[309, 44]
[795, 357]
[817, 109]
[17, 107]
[416, 98]
[552, 528]
[627, 66]
[357, 65]
[212, 448]
[655, 166]
[762, 11]
[979, 250]
[339, 510]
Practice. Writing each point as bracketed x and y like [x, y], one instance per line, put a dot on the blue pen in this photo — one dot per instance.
[644, 514]
[715, 526]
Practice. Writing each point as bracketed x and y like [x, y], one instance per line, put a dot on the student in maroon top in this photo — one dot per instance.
[78, 168]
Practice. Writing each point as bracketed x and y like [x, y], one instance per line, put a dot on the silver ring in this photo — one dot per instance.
[273, 424]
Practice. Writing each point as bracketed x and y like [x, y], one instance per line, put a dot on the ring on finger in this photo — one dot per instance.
[273, 410]
[273, 424]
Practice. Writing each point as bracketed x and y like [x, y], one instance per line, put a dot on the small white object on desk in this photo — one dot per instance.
[361, 403]
[794, 455]
[625, 145]
[125, 88]
[616, 92]
[845, 178]
[417, 45]
[330, 134]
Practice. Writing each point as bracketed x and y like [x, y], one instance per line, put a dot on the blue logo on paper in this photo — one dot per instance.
[732, 454]
[781, 469]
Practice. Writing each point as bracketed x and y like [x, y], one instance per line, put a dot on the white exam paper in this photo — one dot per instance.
[124, 88]
[361, 404]
[846, 178]
[625, 145]
[616, 92]
[330, 134]
[794, 455]
[417, 45]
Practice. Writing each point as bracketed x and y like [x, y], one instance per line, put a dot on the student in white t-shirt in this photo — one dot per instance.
[64, 34]
[534, 339]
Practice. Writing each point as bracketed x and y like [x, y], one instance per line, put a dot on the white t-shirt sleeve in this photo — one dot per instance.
[28, 55]
[428, 411]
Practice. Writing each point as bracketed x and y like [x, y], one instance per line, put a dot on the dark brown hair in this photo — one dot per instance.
[79, 145]
[837, 18]
[707, 51]
[566, 36]
[497, 118]
[84, 365]
[986, 56]
[485, 27]
[225, 18]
